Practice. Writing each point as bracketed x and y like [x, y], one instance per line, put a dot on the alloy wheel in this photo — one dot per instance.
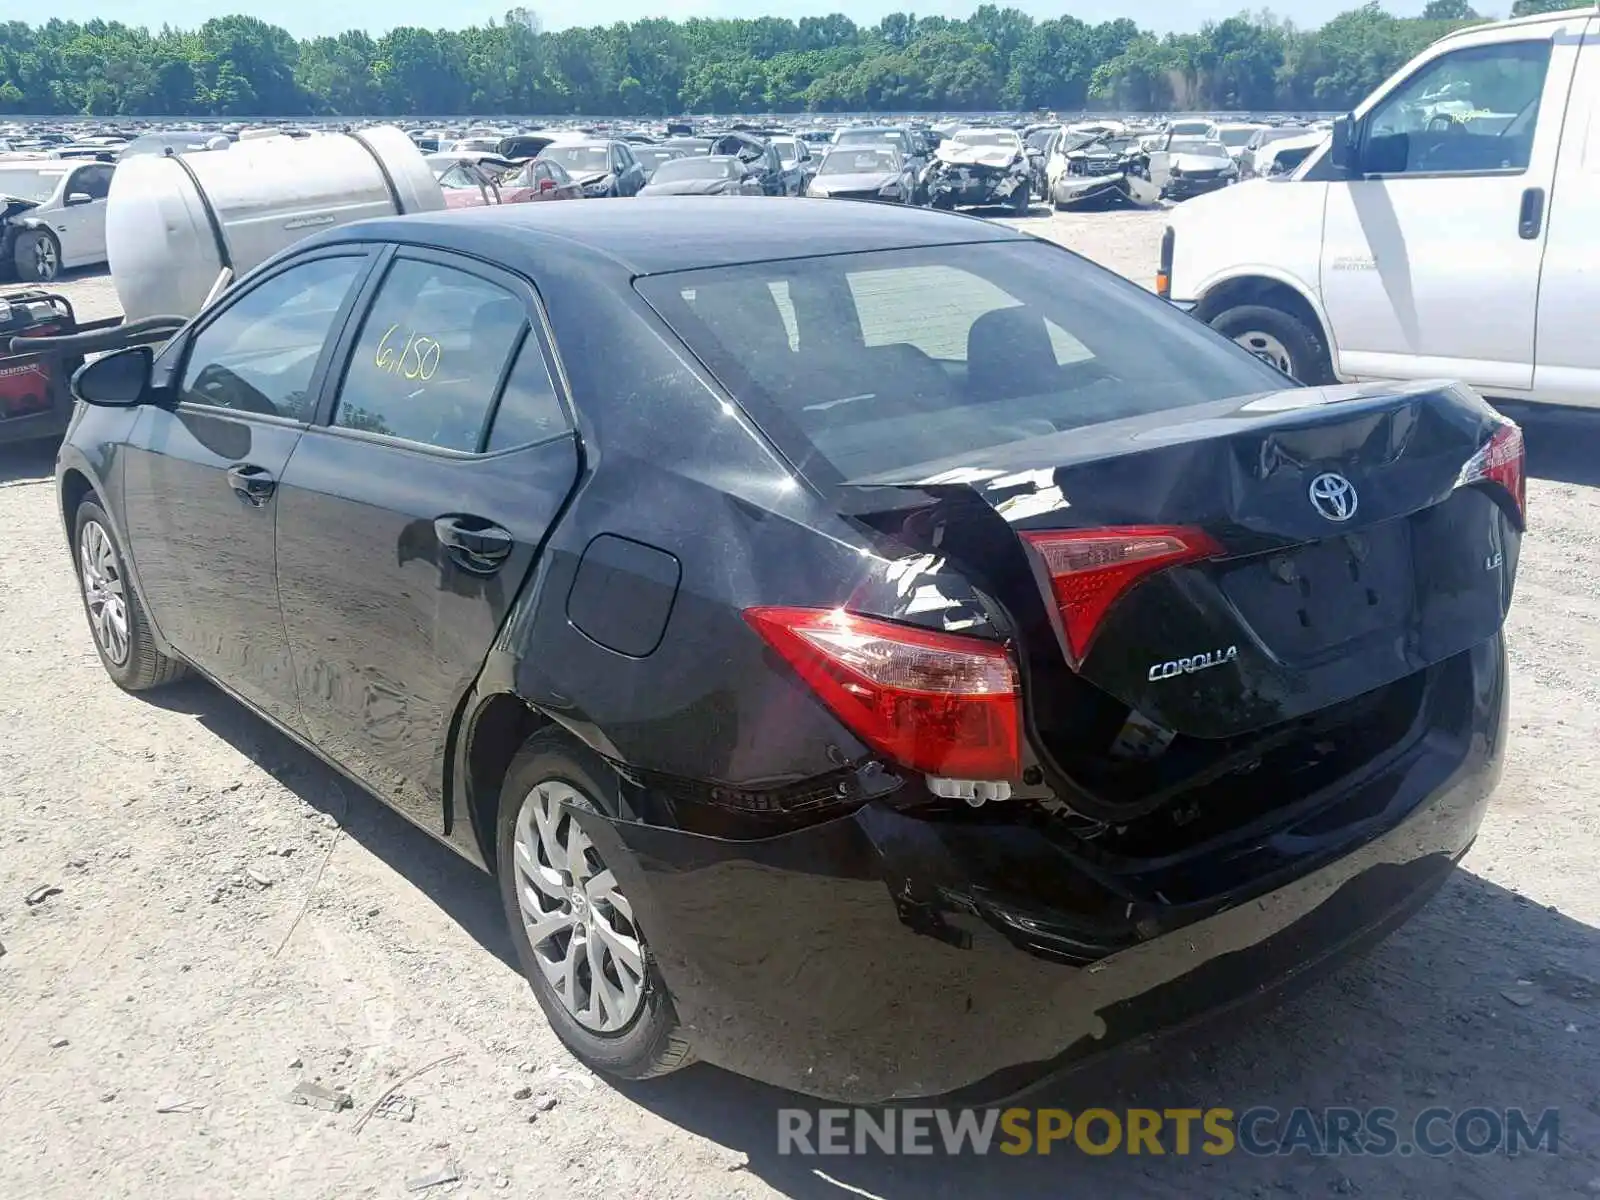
[1268, 348]
[578, 922]
[104, 592]
[44, 258]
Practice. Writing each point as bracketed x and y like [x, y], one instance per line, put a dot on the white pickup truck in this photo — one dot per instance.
[1449, 227]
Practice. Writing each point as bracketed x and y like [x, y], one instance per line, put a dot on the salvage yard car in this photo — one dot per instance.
[865, 172]
[1099, 170]
[1185, 167]
[704, 175]
[601, 167]
[1445, 228]
[981, 166]
[963, 663]
[52, 216]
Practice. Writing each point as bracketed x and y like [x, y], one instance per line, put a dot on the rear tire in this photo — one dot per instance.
[1281, 338]
[542, 855]
[117, 620]
[38, 256]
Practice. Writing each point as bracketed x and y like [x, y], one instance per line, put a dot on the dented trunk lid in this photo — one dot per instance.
[1303, 607]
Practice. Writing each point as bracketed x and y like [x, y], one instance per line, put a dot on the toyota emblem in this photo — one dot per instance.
[1333, 496]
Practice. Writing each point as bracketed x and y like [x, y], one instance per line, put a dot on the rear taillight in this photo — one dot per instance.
[1090, 569]
[1501, 460]
[934, 702]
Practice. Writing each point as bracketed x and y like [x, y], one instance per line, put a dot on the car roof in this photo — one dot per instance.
[652, 235]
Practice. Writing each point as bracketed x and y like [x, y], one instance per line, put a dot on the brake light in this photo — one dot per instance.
[934, 702]
[1503, 460]
[1091, 569]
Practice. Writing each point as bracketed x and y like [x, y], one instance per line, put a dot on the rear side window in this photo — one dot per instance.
[529, 410]
[430, 356]
[859, 365]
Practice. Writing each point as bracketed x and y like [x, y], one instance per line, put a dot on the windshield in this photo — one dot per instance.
[653, 157]
[788, 149]
[1003, 138]
[580, 160]
[1267, 136]
[863, 364]
[1189, 128]
[1237, 137]
[856, 137]
[694, 168]
[37, 185]
[875, 161]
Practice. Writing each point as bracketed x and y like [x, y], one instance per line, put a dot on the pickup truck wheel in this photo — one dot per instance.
[575, 932]
[1280, 338]
[38, 256]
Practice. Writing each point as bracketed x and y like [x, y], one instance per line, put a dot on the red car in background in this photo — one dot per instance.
[539, 179]
[473, 181]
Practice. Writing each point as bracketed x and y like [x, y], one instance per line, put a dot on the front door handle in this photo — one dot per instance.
[252, 484]
[474, 544]
[1531, 217]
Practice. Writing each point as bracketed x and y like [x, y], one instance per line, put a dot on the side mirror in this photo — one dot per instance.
[1345, 152]
[120, 379]
[76, 198]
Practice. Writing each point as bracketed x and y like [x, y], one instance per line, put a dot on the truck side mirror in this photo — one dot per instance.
[1345, 152]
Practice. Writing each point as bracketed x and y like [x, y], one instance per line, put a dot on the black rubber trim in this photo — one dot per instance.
[383, 169]
[223, 255]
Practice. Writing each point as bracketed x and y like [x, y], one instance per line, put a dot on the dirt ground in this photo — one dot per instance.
[233, 919]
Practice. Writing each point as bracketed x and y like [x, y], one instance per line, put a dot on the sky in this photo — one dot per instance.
[312, 18]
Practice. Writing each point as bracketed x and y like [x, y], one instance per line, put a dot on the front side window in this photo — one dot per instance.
[95, 182]
[1471, 110]
[430, 356]
[259, 355]
[862, 364]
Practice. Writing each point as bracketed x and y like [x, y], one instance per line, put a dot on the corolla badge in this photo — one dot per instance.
[1193, 663]
[1333, 496]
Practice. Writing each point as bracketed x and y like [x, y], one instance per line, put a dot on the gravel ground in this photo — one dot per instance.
[233, 919]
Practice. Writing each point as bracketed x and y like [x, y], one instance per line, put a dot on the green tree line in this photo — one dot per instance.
[998, 58]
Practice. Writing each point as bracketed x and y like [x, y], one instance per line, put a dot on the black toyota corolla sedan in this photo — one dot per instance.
[874, 650]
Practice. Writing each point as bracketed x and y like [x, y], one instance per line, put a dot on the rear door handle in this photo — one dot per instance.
[474, 544]
[252, 484]
[1531, 218]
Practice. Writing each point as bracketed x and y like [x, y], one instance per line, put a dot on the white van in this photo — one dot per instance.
[1450, 227]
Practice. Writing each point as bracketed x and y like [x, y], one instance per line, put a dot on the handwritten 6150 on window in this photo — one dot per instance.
[415, 358]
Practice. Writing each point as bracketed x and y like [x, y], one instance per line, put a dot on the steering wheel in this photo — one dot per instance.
[1443, 124]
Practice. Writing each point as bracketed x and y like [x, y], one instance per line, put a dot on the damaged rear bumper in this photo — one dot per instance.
[882, 956]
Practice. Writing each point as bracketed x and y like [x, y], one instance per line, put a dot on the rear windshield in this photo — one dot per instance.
[862, 364]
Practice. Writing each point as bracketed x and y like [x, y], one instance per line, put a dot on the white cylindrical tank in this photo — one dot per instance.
[174, 223]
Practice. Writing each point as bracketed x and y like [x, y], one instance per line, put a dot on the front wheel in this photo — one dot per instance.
[1279, 338]
[1020, 199]
[38, 256]
[116, 618]
[577, 937]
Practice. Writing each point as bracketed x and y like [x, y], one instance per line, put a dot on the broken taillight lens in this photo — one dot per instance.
[1091, 569]
[934, 702]
[1503, 460]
